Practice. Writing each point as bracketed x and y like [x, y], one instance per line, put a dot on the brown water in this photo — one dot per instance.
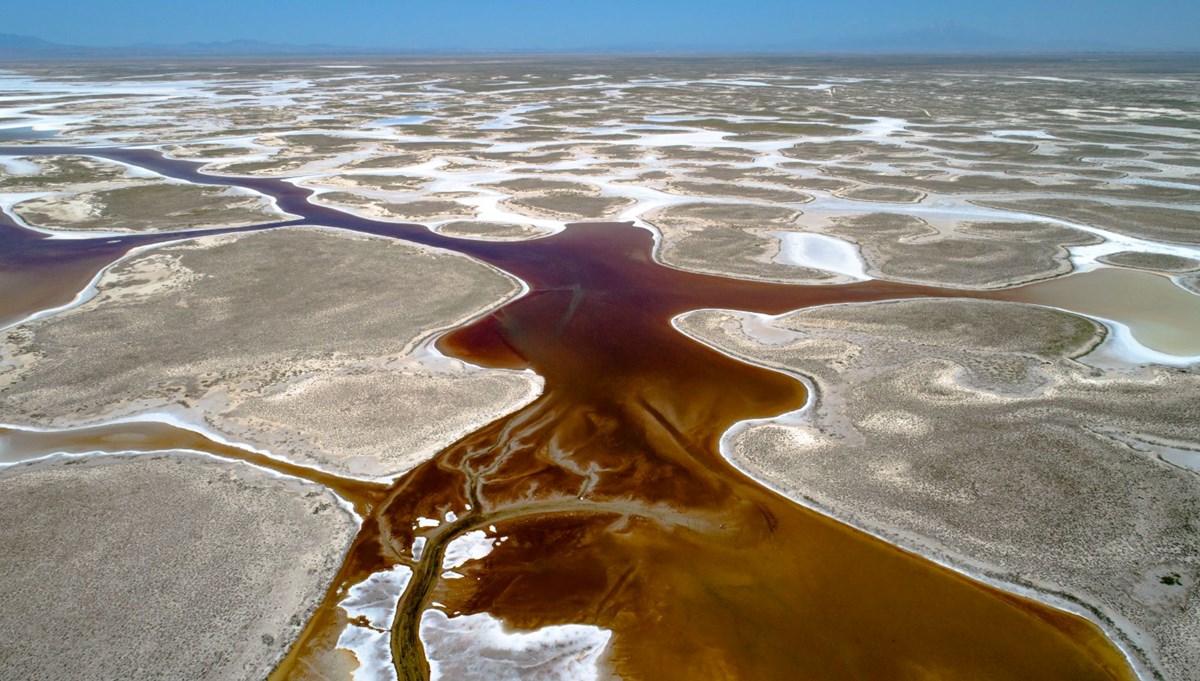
[620, 512]
[1160, 315]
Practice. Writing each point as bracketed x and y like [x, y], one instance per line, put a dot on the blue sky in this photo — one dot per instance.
[742, 25]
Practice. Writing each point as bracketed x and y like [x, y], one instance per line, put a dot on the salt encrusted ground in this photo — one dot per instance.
[108, 577]
[967, 430]
[987, 175]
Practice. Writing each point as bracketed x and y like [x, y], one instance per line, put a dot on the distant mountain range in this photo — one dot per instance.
[939, 38]
[947, 38]
[952, 37]
[29, 47]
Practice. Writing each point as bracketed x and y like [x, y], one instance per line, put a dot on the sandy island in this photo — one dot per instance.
[310, 343]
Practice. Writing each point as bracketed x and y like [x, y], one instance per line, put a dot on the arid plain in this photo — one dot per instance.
[601, 368]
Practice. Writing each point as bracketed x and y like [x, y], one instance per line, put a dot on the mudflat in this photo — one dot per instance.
[83, 194]
[108, 577]
[256, 335]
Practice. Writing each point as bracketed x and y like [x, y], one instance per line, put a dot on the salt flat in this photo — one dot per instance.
[112, 578]
[1045, 446]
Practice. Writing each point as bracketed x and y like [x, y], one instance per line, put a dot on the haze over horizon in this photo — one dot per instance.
[652, 25]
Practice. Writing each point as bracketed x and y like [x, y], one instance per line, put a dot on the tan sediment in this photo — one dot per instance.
[379, 183]
[377, 418]
[964, 254]
[880, 194]
[498, 231]
[567, 206]
[113, 577]
[964, 430]
[58, 173]
[91, 194]
[251, 336]
[428, 208]
[538, 186]
[160, 206]
[729, 239]
[780, 195]
[1155, 262]
[1160, 223]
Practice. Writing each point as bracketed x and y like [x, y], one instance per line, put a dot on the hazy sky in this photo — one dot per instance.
[603, 24]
